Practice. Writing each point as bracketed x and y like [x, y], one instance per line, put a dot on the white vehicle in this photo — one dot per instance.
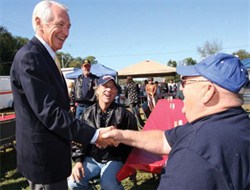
[6, 95]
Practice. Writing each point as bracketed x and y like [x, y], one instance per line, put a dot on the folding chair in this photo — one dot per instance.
[164, 116]
[145, 109]
[94, 182]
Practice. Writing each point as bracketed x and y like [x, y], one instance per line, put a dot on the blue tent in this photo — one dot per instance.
[246, 62]
[97, 69]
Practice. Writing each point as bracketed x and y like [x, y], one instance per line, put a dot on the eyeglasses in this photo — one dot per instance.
[185, 82]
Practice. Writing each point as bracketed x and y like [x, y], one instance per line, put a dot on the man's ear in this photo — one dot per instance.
[39, 24]
[207, 92]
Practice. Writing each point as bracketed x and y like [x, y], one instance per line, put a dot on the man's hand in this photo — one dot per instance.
[104, 142]
[114, 134]
[77, 172]
[72, 109]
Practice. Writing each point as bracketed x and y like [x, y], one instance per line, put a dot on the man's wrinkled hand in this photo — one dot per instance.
[114, 134]
[104, 142]
[77, 172]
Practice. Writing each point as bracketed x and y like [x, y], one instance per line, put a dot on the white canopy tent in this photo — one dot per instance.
[145, 69]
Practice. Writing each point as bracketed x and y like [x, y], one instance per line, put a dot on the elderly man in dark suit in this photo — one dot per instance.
[44, 128]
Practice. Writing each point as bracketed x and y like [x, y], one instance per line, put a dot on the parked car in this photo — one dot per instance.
[6, 94]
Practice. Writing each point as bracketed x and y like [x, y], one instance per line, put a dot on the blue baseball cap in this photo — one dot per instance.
[223, 69]
[104, 79]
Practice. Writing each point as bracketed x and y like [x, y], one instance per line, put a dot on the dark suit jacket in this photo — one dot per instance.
[44, 129]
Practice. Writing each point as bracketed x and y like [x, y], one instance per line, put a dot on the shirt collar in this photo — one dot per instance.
[48, 48]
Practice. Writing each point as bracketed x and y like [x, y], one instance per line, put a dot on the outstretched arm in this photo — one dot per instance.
[153, 141]
[104, 142]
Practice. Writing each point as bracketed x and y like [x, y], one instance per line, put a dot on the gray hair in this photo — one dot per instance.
[43, 10]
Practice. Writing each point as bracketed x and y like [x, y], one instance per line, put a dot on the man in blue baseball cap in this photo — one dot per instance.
[212, 150]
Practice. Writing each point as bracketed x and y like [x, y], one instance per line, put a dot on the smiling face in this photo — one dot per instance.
[106, 93]
[55, 31]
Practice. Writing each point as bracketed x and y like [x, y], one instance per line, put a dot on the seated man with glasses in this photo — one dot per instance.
[212, 150]
[92, 161]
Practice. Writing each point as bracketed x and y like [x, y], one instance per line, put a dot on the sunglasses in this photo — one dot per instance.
[186, 82]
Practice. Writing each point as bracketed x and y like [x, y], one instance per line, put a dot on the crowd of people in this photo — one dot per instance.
[210, 151]
[150, 91]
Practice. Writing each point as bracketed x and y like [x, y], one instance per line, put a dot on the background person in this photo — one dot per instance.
[143, 92]
[158, 91]
[179, 93]
[83, 93]
[44, 128]
[143, 88]
[132, 91]
[92, 161]
[211, 151]
[172, 88]
[164, 87]
[151, 93]
[70, 86]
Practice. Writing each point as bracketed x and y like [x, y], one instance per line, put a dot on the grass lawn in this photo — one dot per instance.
[11, 180]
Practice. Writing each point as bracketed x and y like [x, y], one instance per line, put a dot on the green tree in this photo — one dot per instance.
[190, 61]
[67, 60]
[242, 54]
[77, 62]
[19, 42]
[64, 59]
[172, 63]
[6, 45]
[9, 45]
[92, 59]
[210, 48]
[6, 53]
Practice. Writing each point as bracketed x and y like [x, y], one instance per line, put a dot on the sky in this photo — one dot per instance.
[120, 33]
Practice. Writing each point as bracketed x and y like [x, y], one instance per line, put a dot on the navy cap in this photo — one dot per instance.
[86, 62]
[223, 69]
[104, 79]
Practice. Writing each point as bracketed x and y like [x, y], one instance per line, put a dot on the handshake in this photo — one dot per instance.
[108, 136]
[153, 141]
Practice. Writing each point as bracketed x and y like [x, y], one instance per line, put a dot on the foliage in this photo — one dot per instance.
[175, 78]
[63, 58]
[9, 45]
[92, 59]
[172, 63]
[190, 61]
[6, 45]
[242, 54]
[210, 48]
[77, 62]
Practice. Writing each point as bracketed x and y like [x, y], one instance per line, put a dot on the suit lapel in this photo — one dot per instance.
[51, 63]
